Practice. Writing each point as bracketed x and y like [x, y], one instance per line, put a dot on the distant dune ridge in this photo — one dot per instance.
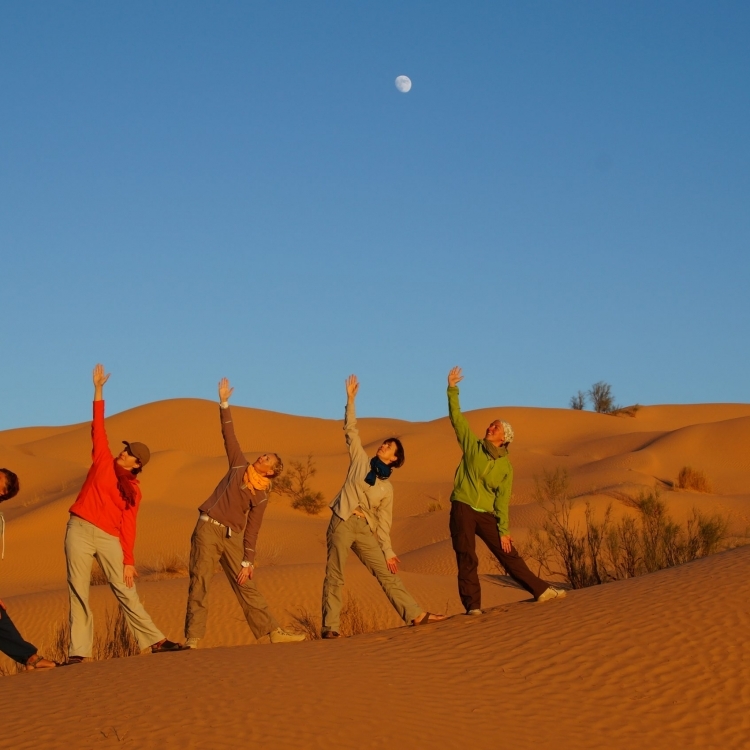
[639, 658]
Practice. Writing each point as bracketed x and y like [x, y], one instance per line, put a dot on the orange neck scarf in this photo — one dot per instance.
[255, 480]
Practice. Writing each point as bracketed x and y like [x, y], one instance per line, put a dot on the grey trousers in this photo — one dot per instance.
[356, 534]
[210, 545]
[83, 541]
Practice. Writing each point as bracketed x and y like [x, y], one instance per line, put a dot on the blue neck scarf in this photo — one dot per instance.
[378, 470]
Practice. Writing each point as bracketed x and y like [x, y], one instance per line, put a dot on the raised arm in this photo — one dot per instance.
[231, 444]
[466, 438]
[350, 420]
[99, 443]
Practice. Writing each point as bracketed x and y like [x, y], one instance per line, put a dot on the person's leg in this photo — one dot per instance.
[205, 550]
[511, 561]
[462, 528]
[367, 549]
[79, 557]
[11, 642]
[109, 554]
[339, 538]
[253, 603]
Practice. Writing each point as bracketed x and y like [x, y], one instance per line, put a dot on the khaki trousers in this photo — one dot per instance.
[210, 545]
[83, 542]
[356, 534]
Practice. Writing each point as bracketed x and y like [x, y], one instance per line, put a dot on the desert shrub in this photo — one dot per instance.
[625, 411]
[601, 397]
[692, 479]
[295, 483]
[592, 551]
[578, 401]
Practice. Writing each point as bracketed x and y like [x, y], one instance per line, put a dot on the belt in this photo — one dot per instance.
[206, 517]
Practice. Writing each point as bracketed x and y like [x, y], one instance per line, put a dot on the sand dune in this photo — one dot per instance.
[648, 658]
[652, 662]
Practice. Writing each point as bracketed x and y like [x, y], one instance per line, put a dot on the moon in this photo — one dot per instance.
[403, 84]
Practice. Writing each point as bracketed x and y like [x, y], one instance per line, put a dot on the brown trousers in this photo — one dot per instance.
[210, 545]
[465, 524]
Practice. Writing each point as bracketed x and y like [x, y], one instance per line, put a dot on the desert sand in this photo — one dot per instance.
[659, 660]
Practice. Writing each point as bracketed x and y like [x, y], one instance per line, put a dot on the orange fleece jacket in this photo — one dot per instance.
[100, 501]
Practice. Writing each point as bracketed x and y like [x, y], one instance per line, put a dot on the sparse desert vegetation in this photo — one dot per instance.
[295, 484]
[602, 401]
[692, 479]
[355, 620]
[597, 550]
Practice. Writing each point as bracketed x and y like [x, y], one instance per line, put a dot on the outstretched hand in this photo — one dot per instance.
[225, 390]
[352, 386]
[455, 376]
[100, 378]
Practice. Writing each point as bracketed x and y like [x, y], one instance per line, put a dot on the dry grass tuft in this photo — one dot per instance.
[355, 620]
[692, 479]
[174, 565]
[97, 575]
[113, 641]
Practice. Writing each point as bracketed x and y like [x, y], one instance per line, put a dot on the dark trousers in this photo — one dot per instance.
[466, 523]
[11, 643]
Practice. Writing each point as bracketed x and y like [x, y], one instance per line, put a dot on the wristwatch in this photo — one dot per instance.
[246, 564]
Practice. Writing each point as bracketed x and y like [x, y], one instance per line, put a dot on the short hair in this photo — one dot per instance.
[11, 485]
[400, 455]
[278, 466]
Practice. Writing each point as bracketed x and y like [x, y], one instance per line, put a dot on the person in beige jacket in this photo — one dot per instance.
[361, 521]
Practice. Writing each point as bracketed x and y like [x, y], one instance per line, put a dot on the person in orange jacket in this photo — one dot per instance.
[102, 524]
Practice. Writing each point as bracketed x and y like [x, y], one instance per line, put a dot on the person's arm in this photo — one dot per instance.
[383, 531]
[252, 528]
[351, 433]
[502, 512]
[127, 541]
[466, 438]
[99, 443]
[231, 444]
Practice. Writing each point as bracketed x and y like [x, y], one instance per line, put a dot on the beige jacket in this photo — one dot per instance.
[376, 502]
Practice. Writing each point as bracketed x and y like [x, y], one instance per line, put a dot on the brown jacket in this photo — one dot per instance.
[231, 503]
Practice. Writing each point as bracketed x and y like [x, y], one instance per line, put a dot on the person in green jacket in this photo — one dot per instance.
[479, 506]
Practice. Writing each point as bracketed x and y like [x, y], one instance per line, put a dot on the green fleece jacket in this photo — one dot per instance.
[481, 481]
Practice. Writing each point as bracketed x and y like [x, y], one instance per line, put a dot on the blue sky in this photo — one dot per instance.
[191, 190]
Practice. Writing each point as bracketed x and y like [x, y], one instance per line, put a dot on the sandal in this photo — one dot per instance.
[166, 645]
[73, 660]
[427, 619]
[39, 662]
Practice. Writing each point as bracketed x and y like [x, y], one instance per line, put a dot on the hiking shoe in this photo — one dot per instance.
[165, 645]
[191, 643]
[474, 612]
[328, 634]
[551, 593]
[282, 636]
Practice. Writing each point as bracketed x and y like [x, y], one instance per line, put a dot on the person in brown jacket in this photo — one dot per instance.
[227, 533]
